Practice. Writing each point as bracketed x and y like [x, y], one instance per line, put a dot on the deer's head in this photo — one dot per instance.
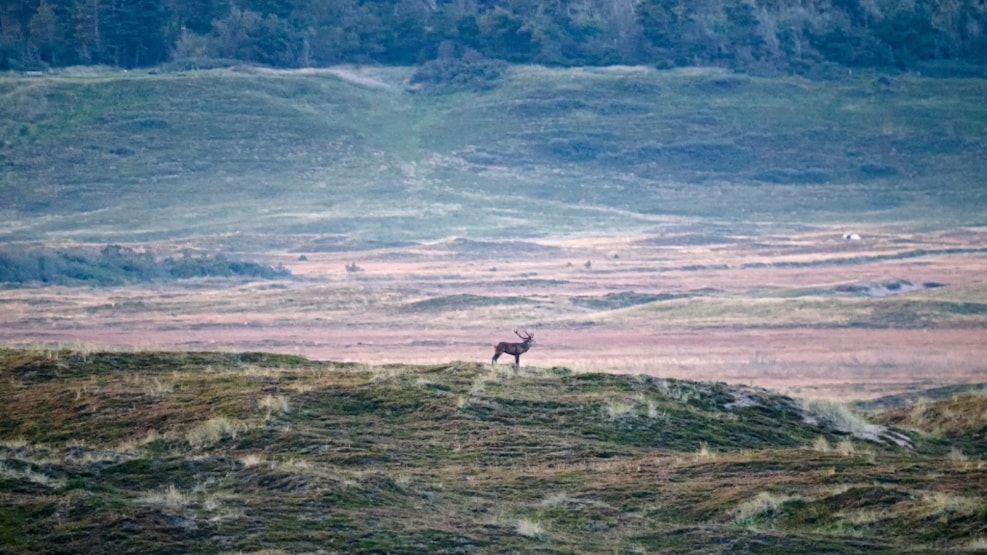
[528, 338]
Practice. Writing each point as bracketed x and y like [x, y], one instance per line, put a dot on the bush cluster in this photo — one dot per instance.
[117, 265]
[471, 72]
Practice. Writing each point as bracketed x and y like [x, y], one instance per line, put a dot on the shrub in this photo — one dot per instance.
[117, 265]
[469, 72]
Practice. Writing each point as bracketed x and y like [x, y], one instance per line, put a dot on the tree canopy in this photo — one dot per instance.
[753, 35]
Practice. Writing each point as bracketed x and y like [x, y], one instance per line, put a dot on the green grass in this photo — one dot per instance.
[114, 156]
[206, 452]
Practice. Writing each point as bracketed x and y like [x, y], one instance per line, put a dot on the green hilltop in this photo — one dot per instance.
[96, 155]
[251, 452]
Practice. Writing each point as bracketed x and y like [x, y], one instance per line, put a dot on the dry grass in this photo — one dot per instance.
[170, 498]
[14, 444]
[274, 404]
[213, 431]
[956, 455]
[846, 447]
[839, 415]
[251, 459]
[944, 416]
[530, 528]
[619, 409]
[763, 505]
[705, 452]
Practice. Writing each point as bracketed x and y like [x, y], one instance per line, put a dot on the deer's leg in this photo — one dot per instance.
[495, 357]
[517, 361]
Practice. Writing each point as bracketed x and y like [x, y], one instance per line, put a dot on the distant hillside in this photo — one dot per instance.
[130, 156]
[116, 452]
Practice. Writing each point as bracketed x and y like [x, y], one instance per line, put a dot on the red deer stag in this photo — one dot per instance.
[516, 349]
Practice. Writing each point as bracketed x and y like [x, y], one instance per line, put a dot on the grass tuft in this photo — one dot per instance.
[529, 528]
[761, 507]
[170, 498]
[845, 447]
[705, 453]
[619, 410]
[274, 404]
[213, 431]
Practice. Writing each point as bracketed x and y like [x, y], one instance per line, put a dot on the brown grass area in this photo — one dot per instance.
[959, 414]
[751, 307]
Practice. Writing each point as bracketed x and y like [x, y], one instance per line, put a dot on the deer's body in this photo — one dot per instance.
[516, 349]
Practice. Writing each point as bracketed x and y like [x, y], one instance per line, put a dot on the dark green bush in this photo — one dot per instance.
[469, 72]
[117, 265]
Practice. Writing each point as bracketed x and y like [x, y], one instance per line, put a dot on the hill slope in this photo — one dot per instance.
[118, 156]
[114, 452]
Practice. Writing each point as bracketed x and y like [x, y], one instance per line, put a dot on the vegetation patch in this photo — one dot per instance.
[471, 72]
[957, 423]
[474, 247]
[612, 301]
[119, 452]
[885, 288]
[911, 314]
[916, 395]
[461, 302]
[117, 265]
[869, 259]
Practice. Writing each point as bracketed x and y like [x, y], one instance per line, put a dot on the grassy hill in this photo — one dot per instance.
[129, 156]
[250, 452]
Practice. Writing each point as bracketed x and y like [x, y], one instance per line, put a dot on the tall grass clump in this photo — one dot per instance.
[213, 431]
[764, 505]
[170, 498]
[837, 415]
[274, 404]
[529, 528]
[617, 410]
[705, 452]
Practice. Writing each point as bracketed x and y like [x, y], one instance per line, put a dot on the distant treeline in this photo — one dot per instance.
[765, 35]
[116, 265]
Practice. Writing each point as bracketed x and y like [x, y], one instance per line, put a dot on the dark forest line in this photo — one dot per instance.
[764, 36]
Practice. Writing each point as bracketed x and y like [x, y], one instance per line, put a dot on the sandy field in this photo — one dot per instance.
[760, 307]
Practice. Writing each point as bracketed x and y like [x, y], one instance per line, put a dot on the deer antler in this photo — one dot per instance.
[523, 335]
